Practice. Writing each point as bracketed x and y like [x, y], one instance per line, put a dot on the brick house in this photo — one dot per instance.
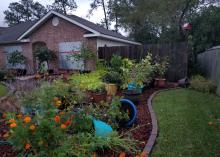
[63, 34]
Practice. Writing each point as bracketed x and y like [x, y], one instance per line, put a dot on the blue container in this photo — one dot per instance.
[101, 128]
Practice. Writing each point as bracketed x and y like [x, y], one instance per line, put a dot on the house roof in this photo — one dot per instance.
[21, 31]
[11, 34]
[2, 30]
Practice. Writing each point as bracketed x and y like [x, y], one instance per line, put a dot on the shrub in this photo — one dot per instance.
[112, 77]
[116, 63]
[202, 84]
[91, 81]
[161, 66]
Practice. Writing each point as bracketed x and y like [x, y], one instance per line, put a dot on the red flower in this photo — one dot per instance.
[57, 119]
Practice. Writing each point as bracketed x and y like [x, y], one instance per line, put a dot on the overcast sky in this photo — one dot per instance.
[82, 10]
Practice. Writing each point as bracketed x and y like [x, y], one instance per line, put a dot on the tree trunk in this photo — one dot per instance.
[106, 20]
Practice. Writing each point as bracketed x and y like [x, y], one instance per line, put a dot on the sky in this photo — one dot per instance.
[82, 10]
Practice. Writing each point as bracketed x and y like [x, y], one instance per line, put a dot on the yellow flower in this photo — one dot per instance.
[58, 103]
[62, 113]
[13, 125]
[27, 119]
[32, 127]
[19, 116]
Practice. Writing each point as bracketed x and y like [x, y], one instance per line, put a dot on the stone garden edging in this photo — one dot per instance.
[154, 132]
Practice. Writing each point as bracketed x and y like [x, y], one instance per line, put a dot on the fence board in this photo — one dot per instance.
[177, 53]
[209, 62]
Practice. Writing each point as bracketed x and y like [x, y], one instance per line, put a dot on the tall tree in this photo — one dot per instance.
[164, 15]
[63, 6]
[100, 3]
[24, 10]
[113, 13]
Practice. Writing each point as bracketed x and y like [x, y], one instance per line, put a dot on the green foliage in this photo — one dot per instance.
[205, 32]
[138, 73]
[116, 63]
[16, 58]
[202, 84]
[3, 90]
[85, 54]
[90, 81]
[85, 144]
[111, 113]
[42, 97]
[161, 66]
[43, 54]
[112, 77]
[63, 6]
[24, 10]
[43, 133]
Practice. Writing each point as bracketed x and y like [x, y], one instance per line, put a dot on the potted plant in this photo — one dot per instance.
[112, 80]
[160, 68]
[87, 56]
[99, 94]
[44, 56]
[17, 61]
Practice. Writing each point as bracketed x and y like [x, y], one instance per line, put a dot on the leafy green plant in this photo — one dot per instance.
[115, 63]
[85, 54]
[91, 81]
[42, 97]
[112, 77]
[202, 84]
[86, 144]
[43, 54]
[40, 134]
[161, 66]
[111, 113]
[16, 58]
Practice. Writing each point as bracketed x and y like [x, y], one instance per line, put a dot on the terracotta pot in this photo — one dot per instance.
[98, 97]
[111, 89]
[160, 82]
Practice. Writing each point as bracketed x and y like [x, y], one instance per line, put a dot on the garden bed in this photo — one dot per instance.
[140, 131]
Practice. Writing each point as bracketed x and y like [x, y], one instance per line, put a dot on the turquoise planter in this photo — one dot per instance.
[101, 128]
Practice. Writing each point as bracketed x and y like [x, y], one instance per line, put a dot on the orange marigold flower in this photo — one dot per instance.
[57, 119]
[62, 113]
[19, 116]
[27, 119]
[122, 154]
[68, 122]
[11, 121]
[94, 155]
[32, 127]
[63, 126]
[210, 123]
[27, 146]
[13, 125]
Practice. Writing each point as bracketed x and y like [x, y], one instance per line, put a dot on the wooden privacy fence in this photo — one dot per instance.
[177, 53]
[209, 62]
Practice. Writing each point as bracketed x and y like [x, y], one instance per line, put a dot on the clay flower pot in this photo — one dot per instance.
[99, 96]
[111, 89]
[160, 82]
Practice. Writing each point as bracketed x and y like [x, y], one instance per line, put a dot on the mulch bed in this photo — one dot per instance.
[140, 130]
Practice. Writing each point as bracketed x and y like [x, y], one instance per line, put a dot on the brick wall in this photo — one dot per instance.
[52, 36]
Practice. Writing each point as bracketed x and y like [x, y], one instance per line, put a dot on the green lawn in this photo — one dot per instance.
[183, 117]
[3, 90]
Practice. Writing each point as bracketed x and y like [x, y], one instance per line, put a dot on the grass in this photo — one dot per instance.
[183, 117]
[3, 90]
